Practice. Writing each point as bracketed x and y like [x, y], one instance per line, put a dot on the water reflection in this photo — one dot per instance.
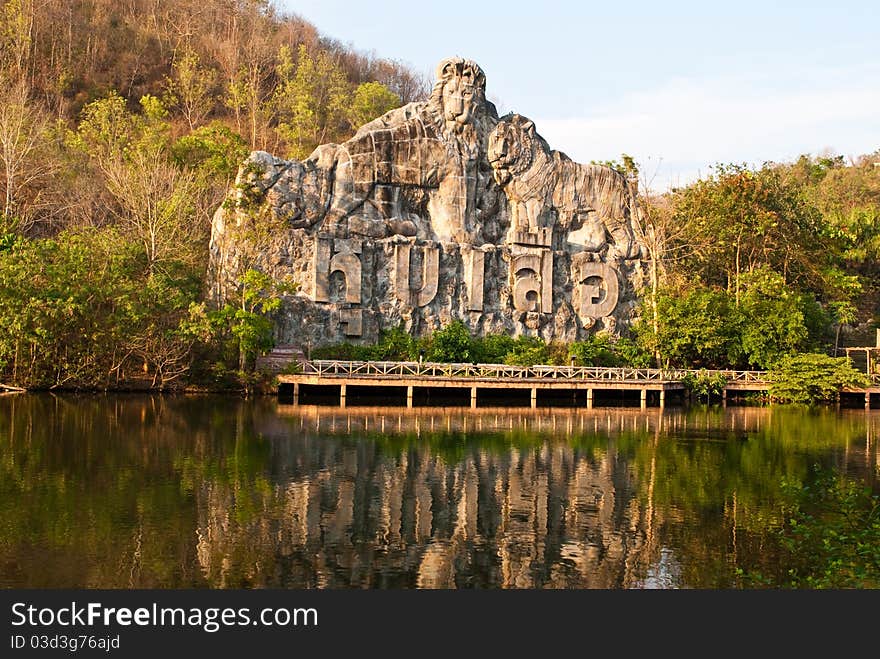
[139, 491]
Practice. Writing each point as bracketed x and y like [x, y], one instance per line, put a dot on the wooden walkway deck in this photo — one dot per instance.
[395, 380]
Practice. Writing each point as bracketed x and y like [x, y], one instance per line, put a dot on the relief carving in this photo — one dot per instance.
[474, 273]
[598, 289]
[407, 293]
[532, 278]
[346, 261]
[418, 198]
[546, 188]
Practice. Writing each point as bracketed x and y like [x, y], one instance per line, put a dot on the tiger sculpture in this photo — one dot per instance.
[593, 204]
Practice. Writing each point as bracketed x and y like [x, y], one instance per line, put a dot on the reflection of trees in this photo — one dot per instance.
[157, 492]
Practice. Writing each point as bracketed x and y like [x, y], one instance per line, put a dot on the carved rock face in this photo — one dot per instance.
[509, 149]
[463, 85]
[390, 228]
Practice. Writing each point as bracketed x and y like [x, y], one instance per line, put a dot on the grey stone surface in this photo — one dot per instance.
[435, 211]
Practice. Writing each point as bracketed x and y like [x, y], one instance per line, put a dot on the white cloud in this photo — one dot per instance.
[689, 125]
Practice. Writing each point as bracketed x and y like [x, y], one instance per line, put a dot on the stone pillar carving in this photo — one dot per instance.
[337, 255]
[406, 293]
[474, 261]
[596, 300]
[531, 271]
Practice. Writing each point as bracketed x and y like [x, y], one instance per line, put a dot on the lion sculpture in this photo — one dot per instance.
[546, 188]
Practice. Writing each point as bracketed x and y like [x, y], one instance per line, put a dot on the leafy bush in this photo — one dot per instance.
[811, 378]
[344, 352]
[697, 328]
[703, 385]
[528, 351]
[395, 344]
[451, 344]
[492, 349]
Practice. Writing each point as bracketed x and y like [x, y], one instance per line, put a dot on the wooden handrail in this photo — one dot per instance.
[332, 367]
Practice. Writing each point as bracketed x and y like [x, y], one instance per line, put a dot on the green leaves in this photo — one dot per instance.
[311, 99]
[811, 378]
[705, 328]
[451, 344]
[371, 100]
[83, 311]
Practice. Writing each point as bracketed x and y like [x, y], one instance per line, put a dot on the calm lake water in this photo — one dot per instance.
[195, 492]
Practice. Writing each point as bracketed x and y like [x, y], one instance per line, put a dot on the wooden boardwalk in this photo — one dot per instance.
[405, 381]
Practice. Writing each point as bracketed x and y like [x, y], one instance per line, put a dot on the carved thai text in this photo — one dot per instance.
[342, 256]
[421, 293]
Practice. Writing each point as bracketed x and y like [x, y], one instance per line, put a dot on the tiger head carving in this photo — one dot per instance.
[547, 189]
[512, 147]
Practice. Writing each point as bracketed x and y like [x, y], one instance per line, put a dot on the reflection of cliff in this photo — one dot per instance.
[191, 492]
[344, 513]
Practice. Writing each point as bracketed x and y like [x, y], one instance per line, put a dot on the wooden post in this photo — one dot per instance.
[589, 399]
[724, 397]
[662, 398]
[473, 398]
[534, 397]
[342, 395]
[409, 396]
[867, 400]
[296, 393]
[644, 398]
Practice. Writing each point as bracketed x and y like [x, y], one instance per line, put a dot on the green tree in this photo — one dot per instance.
[191, 87]
[249, 320]
[812, 378]
[152, 198]
[395, 344]
[492, 349]
[82, 311]
[528, 351]
[843, 313]
[371, 100]
[451, 344]
[696, 328]
[749, 219]
[772, 322]
[311, 99]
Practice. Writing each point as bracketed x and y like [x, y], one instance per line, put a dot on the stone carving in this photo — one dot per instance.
[598, 289]
[416, 160]
[345, 261]
[532, 279]
[353, 319]
[434, 211]
[546, 188]
[430, 276]
[474, 273]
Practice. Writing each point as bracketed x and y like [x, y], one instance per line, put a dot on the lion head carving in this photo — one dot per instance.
[459, 92]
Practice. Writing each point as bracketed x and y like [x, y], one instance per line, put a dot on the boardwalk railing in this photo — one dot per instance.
[335, 368]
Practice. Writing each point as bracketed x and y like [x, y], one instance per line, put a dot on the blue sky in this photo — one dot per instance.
[679, 85]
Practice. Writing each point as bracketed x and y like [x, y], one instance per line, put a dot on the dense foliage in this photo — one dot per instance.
[121, 128]
[755, 264]
[455, 344]
[811, 378]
